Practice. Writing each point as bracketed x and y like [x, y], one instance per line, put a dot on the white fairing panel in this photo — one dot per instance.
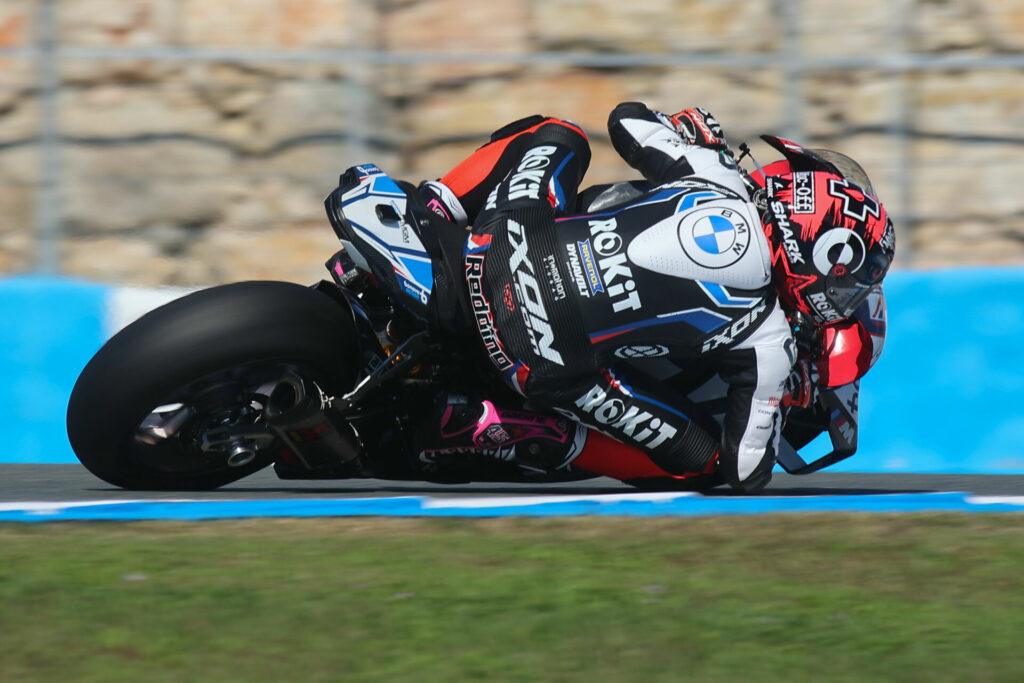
[387, 232]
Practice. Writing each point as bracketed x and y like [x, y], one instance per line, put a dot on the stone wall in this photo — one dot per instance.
[193, 169]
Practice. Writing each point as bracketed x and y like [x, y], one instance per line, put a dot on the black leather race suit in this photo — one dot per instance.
[682, 271]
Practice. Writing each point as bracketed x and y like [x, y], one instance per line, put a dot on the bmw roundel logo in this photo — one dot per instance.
[714, 234]
[714, 237]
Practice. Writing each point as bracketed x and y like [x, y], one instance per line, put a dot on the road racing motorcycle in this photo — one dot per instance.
[336, 380]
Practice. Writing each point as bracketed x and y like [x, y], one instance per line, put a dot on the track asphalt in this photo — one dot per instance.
[23, 482]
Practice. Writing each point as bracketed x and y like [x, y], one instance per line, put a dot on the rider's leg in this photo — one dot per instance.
[537, 441]
[462, 192]
[512, 240]
[640, 413]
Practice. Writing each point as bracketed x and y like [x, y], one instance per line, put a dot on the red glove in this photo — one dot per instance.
[799, 386]
[699, 127]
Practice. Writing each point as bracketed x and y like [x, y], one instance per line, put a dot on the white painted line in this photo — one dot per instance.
[517, 501]
[127, 304]
[49, 507]
[996, 500]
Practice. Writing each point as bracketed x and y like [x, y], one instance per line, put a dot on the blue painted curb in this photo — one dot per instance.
[632, 505]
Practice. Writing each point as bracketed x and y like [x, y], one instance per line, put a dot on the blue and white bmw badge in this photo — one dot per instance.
[714, 237]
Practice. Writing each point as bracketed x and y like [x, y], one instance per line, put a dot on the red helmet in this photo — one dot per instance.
[849, 348]
[839, 353]
[832, 241]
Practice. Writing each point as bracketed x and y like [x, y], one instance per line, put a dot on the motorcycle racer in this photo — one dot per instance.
[699, 270]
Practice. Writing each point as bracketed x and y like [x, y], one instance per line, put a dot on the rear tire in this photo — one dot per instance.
[205, 351]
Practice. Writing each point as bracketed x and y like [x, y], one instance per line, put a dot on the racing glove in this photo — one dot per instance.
[699, 127]
[800, 386]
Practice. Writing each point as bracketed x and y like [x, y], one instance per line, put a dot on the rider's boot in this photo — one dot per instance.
[528, 439]
[542, 443]
[442, 201]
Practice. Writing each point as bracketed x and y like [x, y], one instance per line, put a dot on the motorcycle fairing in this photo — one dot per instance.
[370, 214]
[835, 410]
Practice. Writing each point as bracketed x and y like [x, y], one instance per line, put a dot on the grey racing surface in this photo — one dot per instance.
[25, 482]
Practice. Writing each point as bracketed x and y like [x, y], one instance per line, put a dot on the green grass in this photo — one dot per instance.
[779, 598]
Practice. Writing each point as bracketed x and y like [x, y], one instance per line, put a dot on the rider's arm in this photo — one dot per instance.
[756, 371]
[652, 143]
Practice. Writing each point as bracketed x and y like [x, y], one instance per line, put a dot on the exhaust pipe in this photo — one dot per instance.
[241, 455]
[299, 413]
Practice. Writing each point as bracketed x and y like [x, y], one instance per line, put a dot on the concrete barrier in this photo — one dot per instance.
[946, 396]
[49, 329]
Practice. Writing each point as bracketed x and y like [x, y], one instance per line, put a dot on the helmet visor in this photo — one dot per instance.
[846, 291]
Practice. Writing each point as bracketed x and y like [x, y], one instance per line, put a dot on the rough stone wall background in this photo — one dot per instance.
[192, 150]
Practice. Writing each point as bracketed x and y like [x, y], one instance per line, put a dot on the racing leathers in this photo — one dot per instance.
[566, 303]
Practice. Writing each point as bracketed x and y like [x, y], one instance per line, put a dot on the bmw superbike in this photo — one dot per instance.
[333, 381]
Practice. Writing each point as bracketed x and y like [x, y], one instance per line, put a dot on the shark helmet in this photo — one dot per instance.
[832, 241]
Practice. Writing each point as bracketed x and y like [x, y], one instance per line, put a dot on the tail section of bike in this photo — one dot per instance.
[376, 221]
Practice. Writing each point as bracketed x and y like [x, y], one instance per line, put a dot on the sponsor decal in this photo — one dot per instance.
[528, 294]
[494, 435]
[781, 216]
[639, 425]
[838, 247]
[641, 351]
[843, 426]
[856, 203]
[482, 312]
[508, 298]
[367, 170]
[823, 306]
[492, 199]
[888, 240]
[525, 183]
[554, 277]
[438, 208]
[803, 192]
[714, 237]
[413, 289]
[573, 265]
[594, 281]
[731, 333]
[429, 455]
[877, 305]
[617, 276]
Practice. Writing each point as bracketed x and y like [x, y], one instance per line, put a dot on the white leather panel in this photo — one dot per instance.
[718, 241]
